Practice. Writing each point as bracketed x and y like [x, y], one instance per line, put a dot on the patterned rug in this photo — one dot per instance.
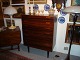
[6, 55]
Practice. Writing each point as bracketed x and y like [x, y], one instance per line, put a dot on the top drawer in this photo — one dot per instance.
[34, 17]
[37, 21]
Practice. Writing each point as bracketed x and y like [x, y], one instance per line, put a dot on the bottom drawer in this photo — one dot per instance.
[39, 44]
[46, 47]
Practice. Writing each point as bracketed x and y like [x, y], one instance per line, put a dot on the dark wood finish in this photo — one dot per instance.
[10, 38]
[5, 3]
[38, 31]
[1, 16]
[76, 39]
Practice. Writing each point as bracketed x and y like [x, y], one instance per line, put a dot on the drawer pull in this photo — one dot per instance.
[47, 33]
[47, 22]
[47, 28]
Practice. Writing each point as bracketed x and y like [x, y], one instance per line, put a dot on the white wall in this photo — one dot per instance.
[41, 6]
[60, 37]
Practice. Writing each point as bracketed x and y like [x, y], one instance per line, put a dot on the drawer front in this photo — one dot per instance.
[39, 23]
[34, 17]
[8, 38]
[38, 37]
[38, 33]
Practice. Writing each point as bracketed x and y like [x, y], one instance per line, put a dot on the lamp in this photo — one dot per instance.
[10, 11]
[75, 10]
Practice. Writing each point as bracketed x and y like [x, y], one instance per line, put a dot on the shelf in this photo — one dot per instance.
[18, 4]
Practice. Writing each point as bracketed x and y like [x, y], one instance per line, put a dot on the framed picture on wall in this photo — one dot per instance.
[5, 3]
[75, 2]
[20, 10]
[71, 18]
[76, 39]
[38, 1]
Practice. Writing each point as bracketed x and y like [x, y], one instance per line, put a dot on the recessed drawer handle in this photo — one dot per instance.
[47, 28]
[47, 33]
[47, 22]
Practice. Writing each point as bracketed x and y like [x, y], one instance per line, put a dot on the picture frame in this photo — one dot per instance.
[17, 1]
[76, 39]
[37, 2]
[71, 18]
[5, 3]
[20, 11]
[75, 2]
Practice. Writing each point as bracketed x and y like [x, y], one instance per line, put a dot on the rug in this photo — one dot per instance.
[6, 55]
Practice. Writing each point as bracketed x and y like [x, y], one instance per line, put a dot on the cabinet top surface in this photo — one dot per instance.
[45, 15]
[6, 29]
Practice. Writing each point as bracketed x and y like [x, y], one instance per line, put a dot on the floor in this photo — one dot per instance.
[37, 54]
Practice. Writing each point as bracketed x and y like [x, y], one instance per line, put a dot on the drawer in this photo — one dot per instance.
[40, 43]
[35, 17]
[37, 29]
[38, 23]
[38, 37]
[12, 36]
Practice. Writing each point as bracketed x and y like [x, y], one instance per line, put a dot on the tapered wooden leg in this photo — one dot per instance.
[28, 48]
[12, 47]
[47, 54]
[18, 48]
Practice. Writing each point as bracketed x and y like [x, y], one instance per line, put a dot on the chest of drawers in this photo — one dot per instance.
[38, 31]
[10, 37]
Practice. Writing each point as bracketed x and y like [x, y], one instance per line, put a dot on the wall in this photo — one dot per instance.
[60, 37]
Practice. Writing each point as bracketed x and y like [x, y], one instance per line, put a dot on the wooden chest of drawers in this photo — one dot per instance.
[10, 37]
[38, 31]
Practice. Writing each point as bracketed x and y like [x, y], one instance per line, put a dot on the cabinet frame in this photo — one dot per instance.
[37, 1]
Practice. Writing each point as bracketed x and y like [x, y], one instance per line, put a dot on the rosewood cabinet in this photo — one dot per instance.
[10, 37]
[38, 32]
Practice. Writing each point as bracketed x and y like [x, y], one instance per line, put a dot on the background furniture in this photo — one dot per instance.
[38, 32]
[1, 16]
[10, 37]
[19, 5]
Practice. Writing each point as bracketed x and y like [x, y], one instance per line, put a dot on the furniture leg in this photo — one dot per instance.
[12, 47]
[28, 48]
[18, 48]
[47, 54]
